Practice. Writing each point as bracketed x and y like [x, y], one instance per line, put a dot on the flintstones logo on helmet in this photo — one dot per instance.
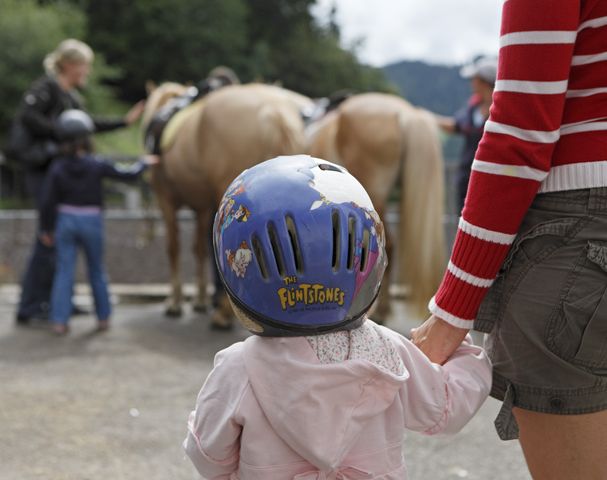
[305, 294]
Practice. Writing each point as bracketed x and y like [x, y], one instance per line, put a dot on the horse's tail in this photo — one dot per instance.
[421, 235]
[283, 130]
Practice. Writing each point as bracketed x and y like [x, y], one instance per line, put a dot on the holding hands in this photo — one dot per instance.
[438, 339]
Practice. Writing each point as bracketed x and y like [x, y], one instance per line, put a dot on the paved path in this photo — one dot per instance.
[114, 406]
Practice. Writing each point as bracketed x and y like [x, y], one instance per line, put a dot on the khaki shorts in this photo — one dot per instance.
[546, 313]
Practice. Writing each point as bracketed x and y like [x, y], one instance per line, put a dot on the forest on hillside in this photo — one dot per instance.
[178, 40]
[439, 88]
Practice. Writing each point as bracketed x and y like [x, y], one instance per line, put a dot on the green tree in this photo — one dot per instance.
[303, 54]
[178, 40]
[263, 40]
[28, 32]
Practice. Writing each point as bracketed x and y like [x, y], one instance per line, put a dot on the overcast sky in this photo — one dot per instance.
[436, 31]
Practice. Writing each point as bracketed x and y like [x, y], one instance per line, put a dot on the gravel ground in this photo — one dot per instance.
[114, 406]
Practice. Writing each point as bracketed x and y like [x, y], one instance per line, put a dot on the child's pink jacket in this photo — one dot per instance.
[270, 410]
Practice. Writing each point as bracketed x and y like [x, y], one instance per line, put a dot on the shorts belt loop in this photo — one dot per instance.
[505, 422]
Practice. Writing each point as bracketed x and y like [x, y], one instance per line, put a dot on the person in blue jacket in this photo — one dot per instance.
[469, 121]
[71, 218]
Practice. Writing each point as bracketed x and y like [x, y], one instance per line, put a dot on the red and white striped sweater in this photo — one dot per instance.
[547, 131]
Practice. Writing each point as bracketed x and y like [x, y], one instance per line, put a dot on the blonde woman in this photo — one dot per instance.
[67, 70]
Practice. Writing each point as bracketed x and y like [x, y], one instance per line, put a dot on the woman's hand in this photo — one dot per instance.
[438, 339]
[134, 113]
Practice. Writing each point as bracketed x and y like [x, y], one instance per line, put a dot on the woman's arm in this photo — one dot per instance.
[514, 156]
[103, 124]
[446, 124]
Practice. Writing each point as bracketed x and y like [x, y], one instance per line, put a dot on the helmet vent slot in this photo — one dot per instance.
[261, 259]
[336, 252]
[294, 243]
[351, 241]
[364, 255]
[278, 258]
[329, 167]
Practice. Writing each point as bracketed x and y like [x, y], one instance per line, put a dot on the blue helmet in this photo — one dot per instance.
[299, 247]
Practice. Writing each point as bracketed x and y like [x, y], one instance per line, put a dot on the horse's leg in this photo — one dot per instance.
[201, 253]
[383, 307]
[222, 316]
[169, 212]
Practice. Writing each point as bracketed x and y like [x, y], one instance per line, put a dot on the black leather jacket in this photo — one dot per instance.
[43, 103]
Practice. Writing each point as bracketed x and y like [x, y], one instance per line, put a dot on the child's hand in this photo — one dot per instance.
[47, 239]
[151, 159]
[438, 339]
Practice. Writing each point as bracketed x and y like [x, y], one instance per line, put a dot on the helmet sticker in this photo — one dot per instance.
[235, 188]
[242, 214]
[225, 211]
[307, 295]
[377, 230]
[240, 259]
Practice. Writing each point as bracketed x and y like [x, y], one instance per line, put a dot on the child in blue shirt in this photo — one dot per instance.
[71, 215]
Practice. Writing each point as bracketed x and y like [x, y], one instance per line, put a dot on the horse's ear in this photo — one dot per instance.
[150, 86]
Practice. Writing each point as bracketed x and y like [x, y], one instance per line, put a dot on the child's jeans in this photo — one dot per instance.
[75, 230]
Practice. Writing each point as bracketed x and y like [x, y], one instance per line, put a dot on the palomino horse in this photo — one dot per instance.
[380, 139]
[204, 147]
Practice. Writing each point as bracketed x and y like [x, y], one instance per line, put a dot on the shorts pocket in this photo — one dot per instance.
[535, 244]
[577, 330]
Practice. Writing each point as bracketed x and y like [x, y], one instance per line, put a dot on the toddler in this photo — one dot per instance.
[319, 391]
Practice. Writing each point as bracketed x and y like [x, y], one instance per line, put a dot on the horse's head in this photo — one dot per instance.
[159, 96]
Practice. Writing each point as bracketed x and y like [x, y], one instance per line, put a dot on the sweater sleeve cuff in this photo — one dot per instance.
[449, 317]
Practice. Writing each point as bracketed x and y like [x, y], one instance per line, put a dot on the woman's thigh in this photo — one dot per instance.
[564, 447]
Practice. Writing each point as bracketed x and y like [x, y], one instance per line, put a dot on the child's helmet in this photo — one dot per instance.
[299, 247]
[74, 124]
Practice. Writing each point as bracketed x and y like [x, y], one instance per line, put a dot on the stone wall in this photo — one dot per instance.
[135, 247]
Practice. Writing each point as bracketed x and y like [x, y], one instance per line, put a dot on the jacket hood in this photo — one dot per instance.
[319, 410]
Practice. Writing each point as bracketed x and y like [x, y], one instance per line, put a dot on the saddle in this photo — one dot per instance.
[324, 105]
[159, 134]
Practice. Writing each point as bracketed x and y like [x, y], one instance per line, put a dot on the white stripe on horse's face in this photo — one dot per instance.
[338, 187]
